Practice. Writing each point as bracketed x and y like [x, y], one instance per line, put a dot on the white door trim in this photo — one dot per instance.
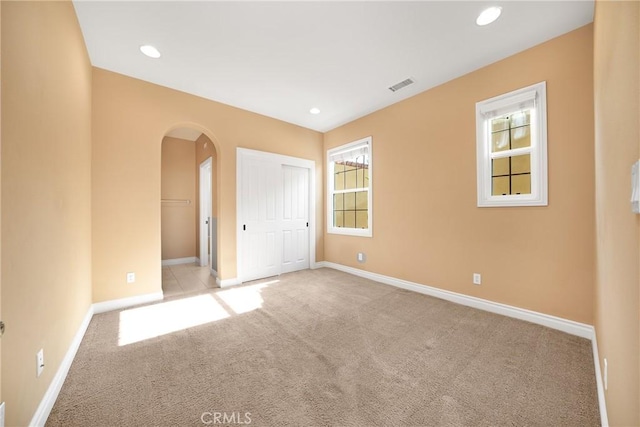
[205, 198]
[281, 159]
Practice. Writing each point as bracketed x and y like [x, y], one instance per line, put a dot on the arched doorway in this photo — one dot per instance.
[189, 212]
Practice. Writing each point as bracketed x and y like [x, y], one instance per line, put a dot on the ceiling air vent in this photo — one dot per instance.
[396, 87]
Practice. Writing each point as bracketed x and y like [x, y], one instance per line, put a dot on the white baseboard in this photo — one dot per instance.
[176, 261]
[213, 272]
[564, 325]
[319, 264]
[50, 396]
[228, 282]
[102, 307]
[604, 419]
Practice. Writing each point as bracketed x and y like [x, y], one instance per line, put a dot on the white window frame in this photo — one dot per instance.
[534, 97]
[368, 232]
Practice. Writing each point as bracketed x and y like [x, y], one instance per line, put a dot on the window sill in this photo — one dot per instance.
[350, 232]
[512, 201]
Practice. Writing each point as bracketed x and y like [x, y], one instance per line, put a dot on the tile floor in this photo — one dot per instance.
[186, 278]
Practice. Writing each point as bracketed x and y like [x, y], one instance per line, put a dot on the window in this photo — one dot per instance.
[349, 189]
[512, 148]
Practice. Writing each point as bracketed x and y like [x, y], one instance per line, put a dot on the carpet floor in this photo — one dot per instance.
[324, 348]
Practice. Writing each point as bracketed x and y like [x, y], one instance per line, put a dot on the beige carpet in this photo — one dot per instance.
[326, 349]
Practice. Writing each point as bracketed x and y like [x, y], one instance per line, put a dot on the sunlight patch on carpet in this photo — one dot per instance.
[139, 324]
[245, 299]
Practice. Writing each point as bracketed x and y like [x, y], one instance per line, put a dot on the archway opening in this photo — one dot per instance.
[189, 212]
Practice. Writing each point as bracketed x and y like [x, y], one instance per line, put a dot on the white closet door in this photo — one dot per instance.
[262, 212]
[295, 218]
[275, 211]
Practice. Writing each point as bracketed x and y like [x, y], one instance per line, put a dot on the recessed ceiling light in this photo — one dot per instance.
[489, 15]
[314, 110]
[150, 51]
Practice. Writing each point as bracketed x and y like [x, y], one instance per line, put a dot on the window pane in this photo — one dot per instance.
[338, 177]
[362, 200]
[360, 177]
[500, 186]
[355, 176]
[521, 164]
[350, 219]
[521, 184]
[511, 131]
[338, 202]
[350, 180]
[521, 137]
[362, 219]
[500, 166]
[349, 201]
[499, 123]
[351, 209]
[511, 175]
[500, 141]
[520, 118]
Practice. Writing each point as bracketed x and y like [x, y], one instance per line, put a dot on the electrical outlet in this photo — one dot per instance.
[477, 279]
[39, 362]
[131, 277]
[362, 257]
[606, 374]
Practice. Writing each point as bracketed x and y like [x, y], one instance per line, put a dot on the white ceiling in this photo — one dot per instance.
[282, 58]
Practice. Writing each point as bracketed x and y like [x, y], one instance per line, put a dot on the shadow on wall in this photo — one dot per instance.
[188, 194]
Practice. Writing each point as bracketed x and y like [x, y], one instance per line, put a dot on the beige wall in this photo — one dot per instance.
[46, 195]
[1, 201]
[426, 226]
[178, 183]
[617, 135]
[204, 150]
[130, 118]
